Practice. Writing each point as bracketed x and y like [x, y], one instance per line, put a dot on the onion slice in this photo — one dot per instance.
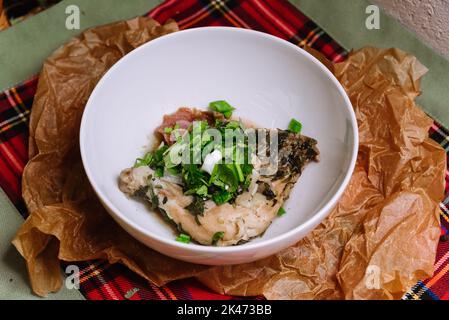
[211, 160]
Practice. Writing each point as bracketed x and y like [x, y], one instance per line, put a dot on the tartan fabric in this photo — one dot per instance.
[15, 108]
[100, 280]
[437, 287]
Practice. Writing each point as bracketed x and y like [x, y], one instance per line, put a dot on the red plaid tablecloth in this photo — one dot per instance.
[101, 280]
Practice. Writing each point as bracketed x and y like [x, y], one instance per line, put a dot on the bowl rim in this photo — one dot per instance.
[311, 222]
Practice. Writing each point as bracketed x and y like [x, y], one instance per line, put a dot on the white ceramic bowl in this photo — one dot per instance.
[267, 79]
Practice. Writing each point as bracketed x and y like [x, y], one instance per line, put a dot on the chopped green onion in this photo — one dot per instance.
[217, 236]
[223, 107]
[159, 172]
[225, 174]
[233, 125]
[175, 171]
[202, 191]
[239, 172]
[281, 212]
[222, 182]
[145, 161]
[184, 238]
[295, 126]
[221, 197]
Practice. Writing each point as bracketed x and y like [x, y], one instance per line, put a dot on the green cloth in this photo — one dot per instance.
[14, 283]
[25, 46]
[344, 20]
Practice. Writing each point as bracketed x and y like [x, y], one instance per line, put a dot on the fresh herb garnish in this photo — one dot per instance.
[227, 171]
[159, 172]
[196, 207]
[281, 212]
[202, 191]
[155, 160]
[152, 197]
[225, 176]
[223, 107]
[233, 125]
[217, 236]
[184, 238]
[221, 197]
[145, 161]
[239, 171]
[295, 126]
[193, 177]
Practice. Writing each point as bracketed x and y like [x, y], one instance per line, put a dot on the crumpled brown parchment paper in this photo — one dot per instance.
[378, 241]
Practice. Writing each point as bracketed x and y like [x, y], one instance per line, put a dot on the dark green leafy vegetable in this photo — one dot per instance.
[166, 216]
[155, 160]
[233, 125]
[197, 206]
[222, 107]
[295, 126]
[142, 192]
[159, 172]
[225, 176]
[193, 177]
[184, 238]
[240, 175]
[152, 197]
[145, 161]
[217, 236]
[221, 197]
[227, 180]
[202, 191]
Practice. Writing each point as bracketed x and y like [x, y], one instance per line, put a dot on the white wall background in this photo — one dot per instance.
[428, 19]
